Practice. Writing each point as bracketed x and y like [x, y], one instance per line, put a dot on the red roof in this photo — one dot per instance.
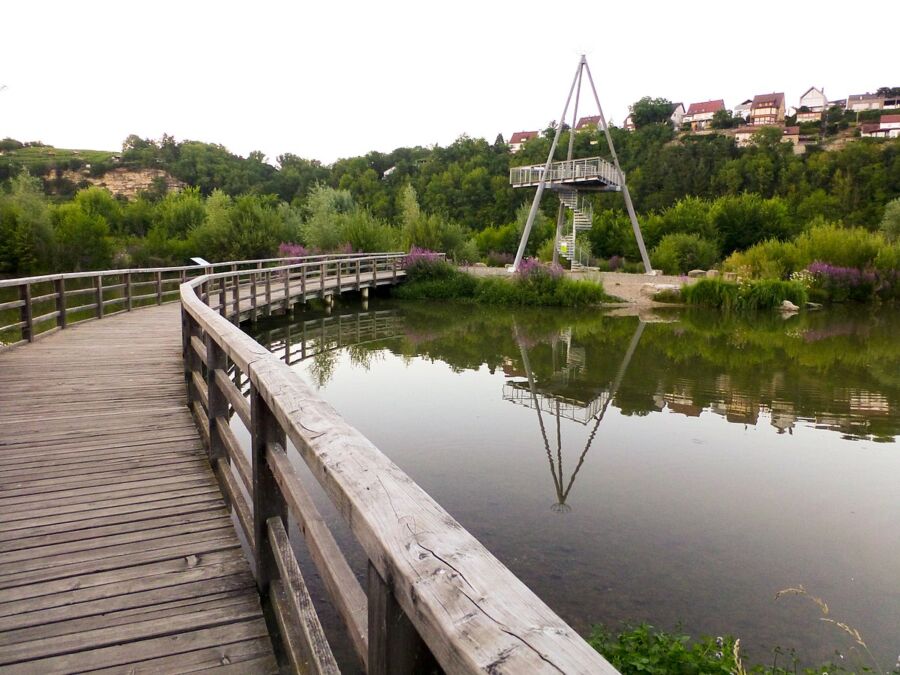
[791, 131]
[706, 107]
[591, 120]
[767, 101]
[869, 128]
[522, 136]
[890, 119]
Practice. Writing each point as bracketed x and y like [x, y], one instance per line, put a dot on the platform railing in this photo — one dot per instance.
[576, 170]
[39, 305]
[433, 597]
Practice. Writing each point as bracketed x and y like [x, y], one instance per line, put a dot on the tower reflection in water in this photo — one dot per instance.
[547, 400]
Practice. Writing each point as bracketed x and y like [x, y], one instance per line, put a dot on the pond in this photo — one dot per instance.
[676, 469]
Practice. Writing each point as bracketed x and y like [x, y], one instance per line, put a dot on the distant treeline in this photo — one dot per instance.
[455, 198]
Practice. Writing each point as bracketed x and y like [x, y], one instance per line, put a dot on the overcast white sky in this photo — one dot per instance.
[328, 79]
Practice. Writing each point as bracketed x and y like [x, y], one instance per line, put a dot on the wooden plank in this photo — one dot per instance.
[211, 659]
[113, 532]
[343, 588]
[120, 655]
[300, 630]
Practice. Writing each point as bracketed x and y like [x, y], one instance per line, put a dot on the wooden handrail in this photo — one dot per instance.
[434, 592]
[112, 287]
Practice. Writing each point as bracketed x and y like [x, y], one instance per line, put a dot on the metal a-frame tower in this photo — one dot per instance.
[574, 180]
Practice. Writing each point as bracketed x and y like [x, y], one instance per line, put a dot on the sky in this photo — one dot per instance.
[326, 80]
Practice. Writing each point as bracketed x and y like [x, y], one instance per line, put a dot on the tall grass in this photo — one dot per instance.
[753, 295]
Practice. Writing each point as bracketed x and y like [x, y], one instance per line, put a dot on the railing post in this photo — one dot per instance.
[236, 298]
[128, 302]
[395, 647]
[218, 403]
[267, 498]
[303, 284]
[287, 291]
[61, 302]
[187, 353]
[223, 297]
[268, 293]
[99, 286]
[253, 292]
[339, 265]
[159, 288]
[26, 313]
[357, 274]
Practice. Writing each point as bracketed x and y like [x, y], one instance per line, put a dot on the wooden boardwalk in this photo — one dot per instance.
[116, 549]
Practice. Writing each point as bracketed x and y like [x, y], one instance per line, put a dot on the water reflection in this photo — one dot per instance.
[839, 373]
[717, 459]
[559, 406]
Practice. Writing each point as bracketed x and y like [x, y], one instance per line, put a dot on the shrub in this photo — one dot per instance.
[890, 223]
[770, 259]
[643, 649]
[840, 246]
[840, 284]
[679, 253]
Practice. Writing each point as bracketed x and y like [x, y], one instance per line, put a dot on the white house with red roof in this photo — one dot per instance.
[699, 115]
[517, 140]
[887, 127]
[767, 109]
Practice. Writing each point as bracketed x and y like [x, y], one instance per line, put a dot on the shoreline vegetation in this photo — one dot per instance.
[534, 284]
[759, 211]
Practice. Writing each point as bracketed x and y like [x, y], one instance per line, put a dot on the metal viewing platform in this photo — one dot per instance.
[592, 173]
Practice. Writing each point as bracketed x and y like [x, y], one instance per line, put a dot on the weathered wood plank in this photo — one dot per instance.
[115, 543]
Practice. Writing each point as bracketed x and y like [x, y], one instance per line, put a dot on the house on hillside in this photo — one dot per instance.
[677, 116]
[588, 122]
[767, 109]
[517, 140]
[628, 124]
[813, 100]
[891, 102]
[804, 116]
[742, 110]
[887, 127]
[860, 102]
[699, 115]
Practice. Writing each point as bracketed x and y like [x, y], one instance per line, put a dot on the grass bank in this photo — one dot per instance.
[430, 278]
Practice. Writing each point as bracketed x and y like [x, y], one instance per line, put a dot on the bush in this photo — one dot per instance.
[429, 278]
[752, 295]
[840, 284]
[770, 259]
[680, 253]
[642, 649]
[841, 246]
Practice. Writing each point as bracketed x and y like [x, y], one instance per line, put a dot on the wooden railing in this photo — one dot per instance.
[434, 597]
[39, 305]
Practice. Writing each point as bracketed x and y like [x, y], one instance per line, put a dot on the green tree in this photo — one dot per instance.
[650, 110]
[84, 239]
[890, 223]
[26, 236]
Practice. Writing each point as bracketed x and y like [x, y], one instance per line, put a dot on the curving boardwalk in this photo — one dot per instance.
[116, 549]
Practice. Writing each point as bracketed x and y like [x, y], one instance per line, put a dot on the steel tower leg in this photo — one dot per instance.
[628, 205]
[541, 184]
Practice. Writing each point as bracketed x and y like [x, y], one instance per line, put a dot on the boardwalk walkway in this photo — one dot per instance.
[116, 550]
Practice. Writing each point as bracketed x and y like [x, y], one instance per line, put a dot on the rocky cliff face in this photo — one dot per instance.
[125, 181]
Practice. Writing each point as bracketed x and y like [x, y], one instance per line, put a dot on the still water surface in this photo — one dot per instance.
[672, 469]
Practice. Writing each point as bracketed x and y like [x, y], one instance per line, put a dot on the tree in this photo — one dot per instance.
[84, 242]
[649, 110]
[723, 119]
[26, 235]
[890, 223]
